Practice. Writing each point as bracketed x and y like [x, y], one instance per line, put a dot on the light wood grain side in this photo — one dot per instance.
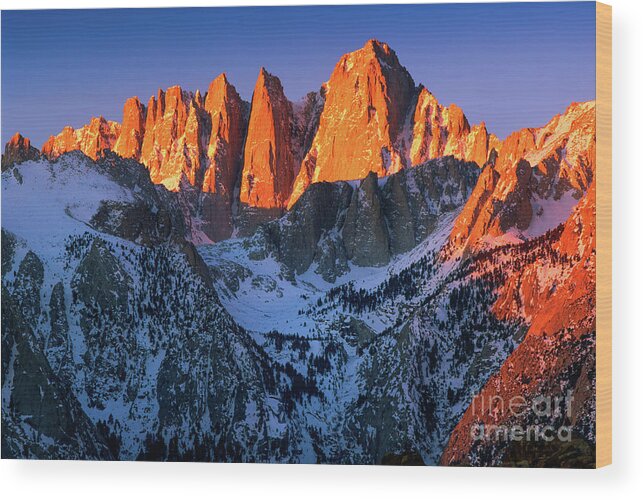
[604, 234]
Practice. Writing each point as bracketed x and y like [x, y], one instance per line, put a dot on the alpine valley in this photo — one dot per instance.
[336, 280]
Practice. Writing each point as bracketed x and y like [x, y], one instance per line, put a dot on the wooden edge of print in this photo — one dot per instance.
[603, 234]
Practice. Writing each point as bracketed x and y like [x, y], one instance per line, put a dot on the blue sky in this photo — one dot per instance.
[511, 65]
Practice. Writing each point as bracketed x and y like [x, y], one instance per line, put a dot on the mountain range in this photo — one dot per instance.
[330, 280]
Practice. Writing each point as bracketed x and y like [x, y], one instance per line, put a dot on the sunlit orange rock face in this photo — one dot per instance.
[558, 297]
[173, 144]
[442, 131]
[17, 150]
[368, 117]
[547, 283]
[227, 128]
[225, 108]
[61, 143]
[474, 218]
[197, 141]
[270, 158]
[183, 139]
[525, 292]
[376, 120]
[367, 99]
[130, 140]
[91, 139]
[533, 182]
[189, 137]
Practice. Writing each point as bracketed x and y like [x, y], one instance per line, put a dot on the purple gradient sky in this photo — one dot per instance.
[512, 65]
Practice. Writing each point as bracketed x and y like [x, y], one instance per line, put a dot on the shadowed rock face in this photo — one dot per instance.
[101, 281]
[295, 239]
[122, 327]
[134, 221]
[28, 281]
[153, 217]
[8, 251]
[364, 233]
[56, 417]
[60, 355]
[369, 222]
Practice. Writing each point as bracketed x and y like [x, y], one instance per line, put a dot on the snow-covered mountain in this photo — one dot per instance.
[123, 324]
[129, 328]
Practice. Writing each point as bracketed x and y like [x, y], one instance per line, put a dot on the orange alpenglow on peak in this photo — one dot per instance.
[17, 142]
[130, 141]
[367, 98]
[17, 150]
[376, 120]
[178, 136]
[269, 159]
[227, 117]
[368, 117]
[198, 99]
[442, 131]
[172, 146]
[92, 139]
[373, 119]
[510, 201]
[219, 90]
[225, 107]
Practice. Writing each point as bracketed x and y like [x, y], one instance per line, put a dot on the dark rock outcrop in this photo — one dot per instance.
[154, 216]
[42, 419]
[365, 236]
[369, 222]
[28, 282]
[296, 238]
